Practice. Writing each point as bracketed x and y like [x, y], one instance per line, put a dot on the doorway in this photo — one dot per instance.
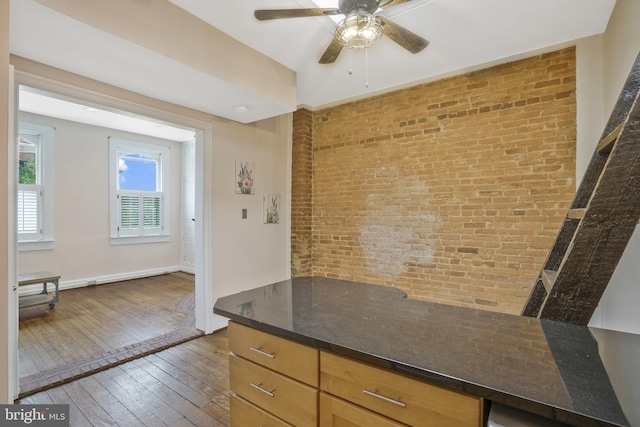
[200, 132]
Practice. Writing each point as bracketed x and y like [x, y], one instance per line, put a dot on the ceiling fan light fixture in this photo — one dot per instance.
[359, 29]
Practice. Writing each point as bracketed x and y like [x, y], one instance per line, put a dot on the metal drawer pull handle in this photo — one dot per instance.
[264, 390]
[264, 353]
[375, 394]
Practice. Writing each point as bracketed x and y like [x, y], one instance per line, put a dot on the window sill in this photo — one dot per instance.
[134, 240]
[35, 245]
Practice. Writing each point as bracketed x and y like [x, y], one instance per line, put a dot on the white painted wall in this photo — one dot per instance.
[240, 255]
[187, 260]
[589, 94]
[81, 220]
[246, 252]
[603, 65]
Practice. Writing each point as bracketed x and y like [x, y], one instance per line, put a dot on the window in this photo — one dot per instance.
[35, 187]
[139, 197]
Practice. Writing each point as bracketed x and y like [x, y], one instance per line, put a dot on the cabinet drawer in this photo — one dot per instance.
[336, 412]
[294, 402]
[290, 358]
[399, 397]
[245, 414]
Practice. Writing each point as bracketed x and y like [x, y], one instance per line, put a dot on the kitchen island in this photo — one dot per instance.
[578, 375]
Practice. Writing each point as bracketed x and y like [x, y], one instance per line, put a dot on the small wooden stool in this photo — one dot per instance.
[43, 297]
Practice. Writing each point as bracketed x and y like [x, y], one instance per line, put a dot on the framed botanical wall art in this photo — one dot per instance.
[271, 207]
[244, 178]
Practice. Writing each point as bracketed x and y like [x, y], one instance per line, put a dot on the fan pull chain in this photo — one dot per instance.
[366, 67]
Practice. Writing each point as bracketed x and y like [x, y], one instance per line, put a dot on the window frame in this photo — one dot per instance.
[161, 153]
[44, 238]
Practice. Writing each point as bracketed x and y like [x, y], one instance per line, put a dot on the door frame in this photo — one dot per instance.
[12, 288]
[204, 153]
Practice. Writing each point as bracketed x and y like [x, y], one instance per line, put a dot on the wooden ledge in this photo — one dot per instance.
[604, 146]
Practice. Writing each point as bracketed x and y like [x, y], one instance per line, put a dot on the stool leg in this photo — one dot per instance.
[54, 300]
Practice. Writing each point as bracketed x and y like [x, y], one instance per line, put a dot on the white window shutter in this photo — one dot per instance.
[140, 213]
[129, 212]
[137, 208]
[152, 206]
[29, 208]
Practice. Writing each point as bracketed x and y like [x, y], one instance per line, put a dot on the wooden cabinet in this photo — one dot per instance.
[295, 360]
[336, 412]
[275, 376]
[278, 394]
[396, 396]
[275, 383]
[244, 413]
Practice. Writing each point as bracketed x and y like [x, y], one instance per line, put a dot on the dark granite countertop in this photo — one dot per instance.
[575, 374]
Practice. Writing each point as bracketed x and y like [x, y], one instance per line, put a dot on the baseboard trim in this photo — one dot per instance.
[188, 269]
[218, 323]
[100, 280]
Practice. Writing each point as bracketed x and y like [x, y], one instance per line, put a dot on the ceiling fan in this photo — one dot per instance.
[360, 28]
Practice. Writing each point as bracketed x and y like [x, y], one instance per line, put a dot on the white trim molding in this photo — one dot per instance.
[100, 280]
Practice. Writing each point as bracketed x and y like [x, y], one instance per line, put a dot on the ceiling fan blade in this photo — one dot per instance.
[331, 53]
[405, 38]
[387, 4]
[265, 15]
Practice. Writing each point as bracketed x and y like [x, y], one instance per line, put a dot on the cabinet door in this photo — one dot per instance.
[338, 413]
[245, 414]
[293, 359]
[396, 396]
[294, 402]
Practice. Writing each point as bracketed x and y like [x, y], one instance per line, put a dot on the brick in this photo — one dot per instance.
[409, 188]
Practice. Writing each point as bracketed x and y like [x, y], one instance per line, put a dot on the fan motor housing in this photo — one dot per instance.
[347, 6]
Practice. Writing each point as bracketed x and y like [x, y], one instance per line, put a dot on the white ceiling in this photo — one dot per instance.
[52, 105]
[464, 35]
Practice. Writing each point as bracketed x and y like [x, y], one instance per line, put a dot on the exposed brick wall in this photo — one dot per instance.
[452, 191]
[302, 172]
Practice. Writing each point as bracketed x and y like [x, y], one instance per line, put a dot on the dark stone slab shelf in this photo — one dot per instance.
[562, 371]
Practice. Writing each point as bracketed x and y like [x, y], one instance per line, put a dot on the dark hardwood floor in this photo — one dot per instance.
[185, 385]
[100, 326]
[126, 354]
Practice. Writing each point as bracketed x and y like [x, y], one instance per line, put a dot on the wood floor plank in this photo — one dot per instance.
[165, 393]
[202, 355]
[41, 398]
[203, 395]
[76, 417]
[200, 385]
[180, 386]
[34, 358]
[185, 385]
[220, 413]
[38, 340]
[97, 319]
[122, 376]
[217, 347]
[109, 403]
[216, 376]
[190, 352]
[183, 423]
[129, 401]
[88, 405]
[213, 389]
